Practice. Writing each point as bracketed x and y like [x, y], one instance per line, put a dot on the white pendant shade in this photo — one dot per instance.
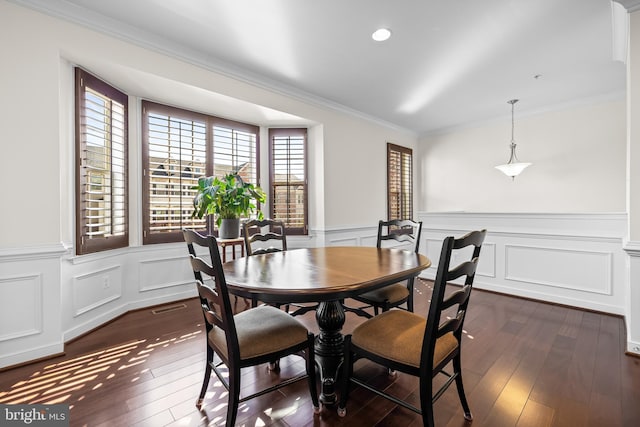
[512, 169]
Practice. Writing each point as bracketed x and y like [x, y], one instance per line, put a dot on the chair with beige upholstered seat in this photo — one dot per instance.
[407, 342]
[403, 232]
[255, 336]
[262, 236]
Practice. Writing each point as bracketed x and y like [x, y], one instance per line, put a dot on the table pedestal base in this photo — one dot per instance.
[329, 347]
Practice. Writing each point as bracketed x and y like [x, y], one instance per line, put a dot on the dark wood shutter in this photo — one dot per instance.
[101, 114]
[288, 178]
[399, 182]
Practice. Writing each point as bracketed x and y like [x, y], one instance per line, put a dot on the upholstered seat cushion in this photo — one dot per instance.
[391, 293]
[261, 330]
[397, 335]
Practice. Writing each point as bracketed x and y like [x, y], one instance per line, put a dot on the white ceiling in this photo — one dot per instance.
[447, 64]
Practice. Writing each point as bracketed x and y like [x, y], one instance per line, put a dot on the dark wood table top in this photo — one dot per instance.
[320, 274]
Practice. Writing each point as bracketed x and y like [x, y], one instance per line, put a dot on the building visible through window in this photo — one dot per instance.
[399, 182]
[180, 146]
[288, 178]
[101, 161]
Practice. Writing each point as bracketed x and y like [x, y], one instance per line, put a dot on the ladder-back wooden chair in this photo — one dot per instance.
[255, 336]
[399, 231]
[407, 342]
[266, 236]
[259, 240]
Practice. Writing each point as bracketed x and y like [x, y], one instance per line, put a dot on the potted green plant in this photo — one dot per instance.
[227, 198]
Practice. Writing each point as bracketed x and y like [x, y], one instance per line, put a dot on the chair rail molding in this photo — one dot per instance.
[632, 248]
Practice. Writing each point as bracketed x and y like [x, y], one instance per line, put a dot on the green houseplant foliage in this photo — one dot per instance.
[226, 198]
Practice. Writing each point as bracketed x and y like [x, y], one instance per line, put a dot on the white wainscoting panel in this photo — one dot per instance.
[348, 241]
[571, 259]
[587, 271]
[633, 301]
[486, 266]
[20, 306]
[348, 236]
[96, 288]
[30, 303]
[106, 285]
[163, 273]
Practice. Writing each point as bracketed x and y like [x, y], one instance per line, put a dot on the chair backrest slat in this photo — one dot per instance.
[451, 325]
[458, 297]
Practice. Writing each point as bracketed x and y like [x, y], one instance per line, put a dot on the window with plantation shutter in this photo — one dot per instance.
[101, 162]
[175, 153]
[288, 178]
[399, 182]
[180, 146]
[235, 147]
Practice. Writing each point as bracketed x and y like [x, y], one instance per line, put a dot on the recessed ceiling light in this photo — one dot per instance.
[381, 34]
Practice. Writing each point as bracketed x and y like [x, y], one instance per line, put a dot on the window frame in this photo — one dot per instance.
[406, 181]
[85, 244]
[207, 225]
[289, 132]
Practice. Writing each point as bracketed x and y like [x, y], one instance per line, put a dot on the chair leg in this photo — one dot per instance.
[426, 401]
[274, 365]
[457, 368]
[207, 375]
[347, 372]
[410, 302]
[234, 396]
[310, 360]
[410, 299]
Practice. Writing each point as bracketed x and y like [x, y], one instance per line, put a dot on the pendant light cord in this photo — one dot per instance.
[512, 121]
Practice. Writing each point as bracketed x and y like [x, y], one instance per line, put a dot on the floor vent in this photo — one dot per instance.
[169, 308]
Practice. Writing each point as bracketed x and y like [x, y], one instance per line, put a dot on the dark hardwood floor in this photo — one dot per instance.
[525, 363]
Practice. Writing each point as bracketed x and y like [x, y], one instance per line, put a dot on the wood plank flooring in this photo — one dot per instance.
[525, 364]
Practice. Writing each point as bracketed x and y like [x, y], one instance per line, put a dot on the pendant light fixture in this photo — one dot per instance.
[514, 166]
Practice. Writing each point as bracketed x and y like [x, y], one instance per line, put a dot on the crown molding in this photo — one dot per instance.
[75, 14]
[630, 5]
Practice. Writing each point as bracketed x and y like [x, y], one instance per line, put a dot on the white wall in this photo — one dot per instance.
[578, 156]
[563, 222]
[48, 295]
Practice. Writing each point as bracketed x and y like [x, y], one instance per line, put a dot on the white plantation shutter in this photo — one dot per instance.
[180, 146]
[288, 178]
[175, 149]
[235, 151]
[101, 159]
[399, 182]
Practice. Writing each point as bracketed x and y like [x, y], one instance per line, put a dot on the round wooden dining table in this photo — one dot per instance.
[326, 275]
